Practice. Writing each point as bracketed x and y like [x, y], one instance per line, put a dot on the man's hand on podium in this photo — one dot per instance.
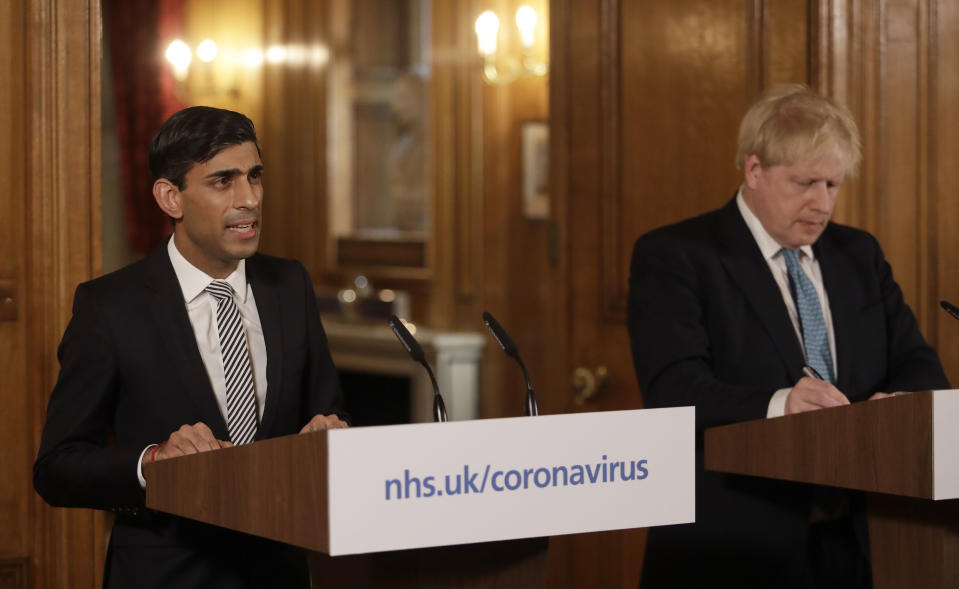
[810, 393]
[321, 422]
[189, 439]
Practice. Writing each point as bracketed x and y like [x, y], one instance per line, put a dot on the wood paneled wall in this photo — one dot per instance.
[15, 435]
[50, 160]
[893, 61]
[294, 220]
[63, 247]
[483, 254]
[668, 83]
[514, 270]
[943, 177]
[646, 101]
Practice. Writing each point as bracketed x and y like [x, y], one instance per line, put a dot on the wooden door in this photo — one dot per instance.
[646, 98]
[50, 161]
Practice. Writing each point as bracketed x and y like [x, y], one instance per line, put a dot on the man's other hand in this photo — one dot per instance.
[321, 422]
[811, 393]
[189, 439]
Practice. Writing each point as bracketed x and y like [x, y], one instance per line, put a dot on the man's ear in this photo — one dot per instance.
[752, 170]
[167, 196]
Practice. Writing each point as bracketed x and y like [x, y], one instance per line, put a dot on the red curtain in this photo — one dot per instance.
[145, 96]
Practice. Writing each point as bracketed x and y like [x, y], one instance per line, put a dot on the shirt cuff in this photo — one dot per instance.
[777, 405]
[143, 481]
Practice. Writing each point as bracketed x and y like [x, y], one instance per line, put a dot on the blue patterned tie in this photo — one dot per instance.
[240, 397]
[815, 336]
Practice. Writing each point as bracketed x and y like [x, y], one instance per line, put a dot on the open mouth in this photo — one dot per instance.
[245, 228]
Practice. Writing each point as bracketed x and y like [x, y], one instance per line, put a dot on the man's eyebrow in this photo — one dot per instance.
[232, 172]
[229, 173]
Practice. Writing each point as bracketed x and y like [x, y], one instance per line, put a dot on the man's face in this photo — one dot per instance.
[793, 201]
[219, 210]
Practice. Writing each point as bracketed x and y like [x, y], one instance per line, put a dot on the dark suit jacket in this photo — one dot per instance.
[709, 328]
[131, 374]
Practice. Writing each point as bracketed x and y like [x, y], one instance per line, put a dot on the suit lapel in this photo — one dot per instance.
[838, 275]
[744, 262]
[178, 340]
[266, 292]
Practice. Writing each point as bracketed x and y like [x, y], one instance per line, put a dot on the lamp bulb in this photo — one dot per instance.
[487, 27]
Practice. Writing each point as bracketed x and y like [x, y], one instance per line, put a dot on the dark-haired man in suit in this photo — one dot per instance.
[732, 311]
[202, 345]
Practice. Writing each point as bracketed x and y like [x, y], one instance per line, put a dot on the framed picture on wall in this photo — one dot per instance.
[535, 153]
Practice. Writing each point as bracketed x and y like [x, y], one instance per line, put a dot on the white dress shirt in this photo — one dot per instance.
[770, 249]
[201, 308]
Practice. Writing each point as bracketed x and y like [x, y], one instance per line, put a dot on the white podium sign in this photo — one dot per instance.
[421, 485]
[945, 439]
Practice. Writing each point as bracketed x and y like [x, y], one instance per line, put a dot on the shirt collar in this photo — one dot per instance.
[194, 281]
[767, 245]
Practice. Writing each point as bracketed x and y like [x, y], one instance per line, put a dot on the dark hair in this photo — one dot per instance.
[195, 135]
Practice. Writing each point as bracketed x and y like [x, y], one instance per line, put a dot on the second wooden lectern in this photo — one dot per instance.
[903, 450]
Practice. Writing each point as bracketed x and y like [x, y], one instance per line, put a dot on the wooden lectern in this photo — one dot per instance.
[904, 451]
[277, 489]
[464, 504]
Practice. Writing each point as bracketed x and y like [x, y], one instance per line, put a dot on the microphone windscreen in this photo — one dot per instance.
[950, 308]
[499, 334]
[407, 339]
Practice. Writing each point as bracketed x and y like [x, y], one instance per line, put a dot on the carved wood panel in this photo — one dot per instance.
[293, 136]
[651, 99]
[672, 91]
[893, 62]
[885, 60]
[14, 573]
[943, 175]
[63, 248]
[14, 425]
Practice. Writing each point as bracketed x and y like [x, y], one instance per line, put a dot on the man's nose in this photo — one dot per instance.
[822, 199]
[247, 196]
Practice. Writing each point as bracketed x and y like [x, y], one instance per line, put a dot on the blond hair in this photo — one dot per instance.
[791, 123]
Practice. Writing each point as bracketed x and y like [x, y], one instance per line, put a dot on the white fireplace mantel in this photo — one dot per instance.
[454, 356]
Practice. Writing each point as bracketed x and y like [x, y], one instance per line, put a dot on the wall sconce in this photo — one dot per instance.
[179, 56]
[219, 72]
[215, 74]
[487, 31]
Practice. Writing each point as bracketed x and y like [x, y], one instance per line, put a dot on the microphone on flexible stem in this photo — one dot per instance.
[950, 308]
[506, 342]
[416, 352]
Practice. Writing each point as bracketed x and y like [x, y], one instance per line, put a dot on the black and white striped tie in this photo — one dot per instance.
[240, 396]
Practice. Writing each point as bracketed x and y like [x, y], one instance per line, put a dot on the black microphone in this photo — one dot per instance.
[506, 342]
[950, 308]
[416, 352]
